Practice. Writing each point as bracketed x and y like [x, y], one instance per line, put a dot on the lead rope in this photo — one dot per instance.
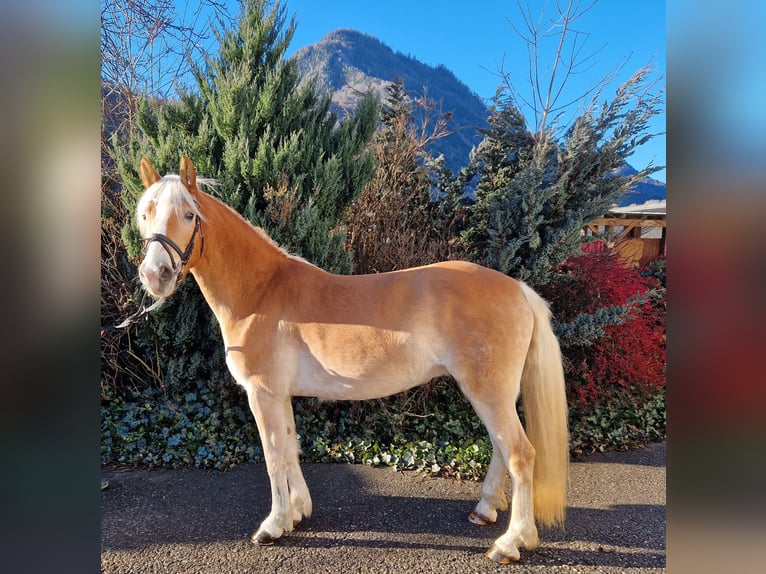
[143, 310]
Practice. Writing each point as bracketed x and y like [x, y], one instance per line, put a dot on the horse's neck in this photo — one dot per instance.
[237, 263]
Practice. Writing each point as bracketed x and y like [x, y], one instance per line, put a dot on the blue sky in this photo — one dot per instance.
[472, 39]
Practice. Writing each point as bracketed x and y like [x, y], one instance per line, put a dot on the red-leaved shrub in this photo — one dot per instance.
[627, 358]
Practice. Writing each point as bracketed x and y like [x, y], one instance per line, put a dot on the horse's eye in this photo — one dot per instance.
[143, 216]
[189, 215]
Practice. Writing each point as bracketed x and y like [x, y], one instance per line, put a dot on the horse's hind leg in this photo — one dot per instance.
[497, 409]
[492, 491]
[300, 499]
[519, 453]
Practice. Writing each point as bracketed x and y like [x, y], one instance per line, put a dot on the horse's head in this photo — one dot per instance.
[169, 222]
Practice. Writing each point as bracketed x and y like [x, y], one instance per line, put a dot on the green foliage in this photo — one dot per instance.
[199, 427]
[620, 422]
[585, 328]
[436, 432]
[658, 270]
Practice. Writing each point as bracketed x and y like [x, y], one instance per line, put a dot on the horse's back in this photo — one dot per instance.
[476, 295]
[455, 295]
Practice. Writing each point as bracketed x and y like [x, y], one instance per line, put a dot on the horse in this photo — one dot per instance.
[291, 329]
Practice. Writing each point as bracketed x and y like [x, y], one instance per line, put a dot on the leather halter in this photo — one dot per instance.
[168, 244]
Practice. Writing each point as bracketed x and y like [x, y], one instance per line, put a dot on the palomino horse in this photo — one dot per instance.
[291, 329]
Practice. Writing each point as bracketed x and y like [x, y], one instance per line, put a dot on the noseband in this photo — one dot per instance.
[168, 245]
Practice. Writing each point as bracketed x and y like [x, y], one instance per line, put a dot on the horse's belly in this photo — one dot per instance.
[364, 379]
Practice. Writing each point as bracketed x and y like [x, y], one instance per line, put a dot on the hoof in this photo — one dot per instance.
[262, 538]
[480, 519]
[497, 556]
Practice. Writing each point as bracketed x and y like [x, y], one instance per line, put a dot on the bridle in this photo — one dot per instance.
[168, 244]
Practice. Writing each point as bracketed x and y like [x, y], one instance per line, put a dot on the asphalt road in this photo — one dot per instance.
[376, 520]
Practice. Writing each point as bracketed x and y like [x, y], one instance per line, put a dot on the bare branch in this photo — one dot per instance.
[549, 81]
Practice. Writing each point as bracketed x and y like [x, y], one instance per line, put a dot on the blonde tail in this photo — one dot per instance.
[545, 411]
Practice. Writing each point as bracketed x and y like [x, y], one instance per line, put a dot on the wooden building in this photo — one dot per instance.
[636, 232]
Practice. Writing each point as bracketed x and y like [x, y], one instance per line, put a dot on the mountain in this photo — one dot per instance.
[646, 189]
[349, 63]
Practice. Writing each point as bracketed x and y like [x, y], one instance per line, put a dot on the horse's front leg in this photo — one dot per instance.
[269, 411]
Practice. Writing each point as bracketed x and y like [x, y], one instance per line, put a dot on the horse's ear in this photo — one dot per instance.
[149, 175]
[188, 173]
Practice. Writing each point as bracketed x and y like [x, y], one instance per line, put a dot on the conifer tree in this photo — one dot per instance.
[535, 192]
[281, 156]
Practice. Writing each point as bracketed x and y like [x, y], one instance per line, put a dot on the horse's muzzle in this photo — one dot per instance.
[159, 279]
